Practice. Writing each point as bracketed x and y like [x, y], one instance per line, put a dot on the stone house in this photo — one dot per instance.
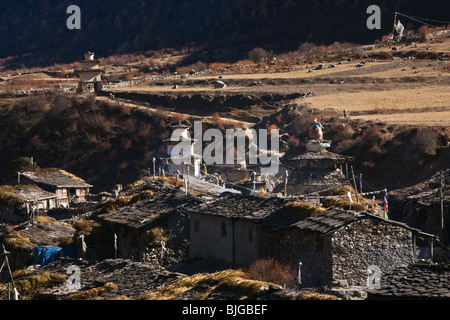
[67, 187]
[420, 205]
[226, 230]
[154, 229]
[337, 246]
[334, 246]
[25, 200]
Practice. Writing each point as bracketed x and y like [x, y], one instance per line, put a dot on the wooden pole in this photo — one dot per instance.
[5, 254]
[299, 274]
[346, 169]
[442, 201]
[115, 246]
[354, 184]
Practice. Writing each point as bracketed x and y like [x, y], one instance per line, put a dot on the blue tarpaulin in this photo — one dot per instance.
[71, 251]
[45, 255]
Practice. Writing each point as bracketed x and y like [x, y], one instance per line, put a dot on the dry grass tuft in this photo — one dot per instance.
[133, 185]
[21, 273]
[64, 172]
[8, 196]
[316, 296]
[122, 201]
[156, 235]
[94, 292]
[45, 220]
[343, 202]
[302, 209]
[236, 281]
[17, 240]
[84, 227]
[175, 181]
[271, 270]
[30, 287]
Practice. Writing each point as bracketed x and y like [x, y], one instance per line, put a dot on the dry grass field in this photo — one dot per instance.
[402, 84]
[412, 88]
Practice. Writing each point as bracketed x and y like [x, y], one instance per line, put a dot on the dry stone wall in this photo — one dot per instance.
[367, 242]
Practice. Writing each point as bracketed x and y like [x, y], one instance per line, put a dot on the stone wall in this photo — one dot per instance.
[341, 256]
[171, 248]
[228, 242]
[369, 242]
[292, 246]
[211, 238]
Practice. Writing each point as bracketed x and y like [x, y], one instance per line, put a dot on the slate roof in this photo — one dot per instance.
[146, 212]
[140, 214]
[426, 192]
[331, 220]
[328, 221]
[55, 179]
[32, 193]
[241, 206]
[323, 155]
[415, 282]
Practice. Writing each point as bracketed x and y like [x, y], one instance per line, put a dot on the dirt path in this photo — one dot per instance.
[207, 119]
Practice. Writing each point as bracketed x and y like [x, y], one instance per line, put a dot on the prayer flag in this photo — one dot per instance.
[386, 205]
[285, 184]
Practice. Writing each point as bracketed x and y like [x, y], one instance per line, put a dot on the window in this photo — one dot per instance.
[224, 229]
[196, 226]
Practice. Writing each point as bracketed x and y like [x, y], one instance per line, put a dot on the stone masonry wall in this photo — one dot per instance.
[369, 242]
[292, 246]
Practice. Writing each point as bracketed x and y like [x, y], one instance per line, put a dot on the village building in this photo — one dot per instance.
[154, 229]
[25, 200]
[26, 241]
[334, 246]
[226, 230]
[314, 171]
[424, 206]
[68, 188]
[89, 73]
[187, 159]
[338, 246]
[315, 168]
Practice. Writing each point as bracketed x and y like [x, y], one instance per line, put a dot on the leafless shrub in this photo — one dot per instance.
[258, 55]
[426, 141]
[270, 270]
[339, 132]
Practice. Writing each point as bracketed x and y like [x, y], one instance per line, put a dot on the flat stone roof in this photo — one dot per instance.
[416, 281]
[241, 206]
[56, 179]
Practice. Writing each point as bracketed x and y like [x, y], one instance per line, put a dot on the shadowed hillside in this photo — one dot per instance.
[36, 31]
[104, 142]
